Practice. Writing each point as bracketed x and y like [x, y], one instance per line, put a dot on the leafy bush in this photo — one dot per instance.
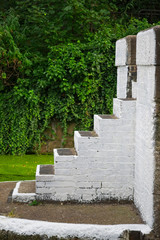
[82, 78]
[57, 61]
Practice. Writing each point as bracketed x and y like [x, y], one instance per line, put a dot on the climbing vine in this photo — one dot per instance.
[56, 62]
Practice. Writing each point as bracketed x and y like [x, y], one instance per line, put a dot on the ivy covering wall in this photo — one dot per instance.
[57, 62]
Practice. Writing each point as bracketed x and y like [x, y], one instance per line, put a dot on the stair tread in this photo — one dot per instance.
[27, 187]
[107, 116]
[127, 99]
[88, 133]
[66, 151]
[46, 169]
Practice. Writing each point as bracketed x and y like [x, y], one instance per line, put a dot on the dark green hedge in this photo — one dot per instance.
[57, 61]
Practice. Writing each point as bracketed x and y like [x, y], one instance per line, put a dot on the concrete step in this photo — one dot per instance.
[64, 154]
[44, 179]
[46, 169]
[85, 140]
[90, 142]
[64, 161]
[24, 191]
[45, 172]
[66, 151]
[111, 124]
[54, 184]
[124, 108]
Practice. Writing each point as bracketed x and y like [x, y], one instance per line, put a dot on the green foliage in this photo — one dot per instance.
[34, 203]
[57, 61]
[16, 168]
[80, 79]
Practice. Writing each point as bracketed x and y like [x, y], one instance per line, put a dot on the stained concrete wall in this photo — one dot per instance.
[147, 112]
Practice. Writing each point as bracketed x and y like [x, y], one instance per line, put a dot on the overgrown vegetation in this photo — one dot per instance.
[57, 61]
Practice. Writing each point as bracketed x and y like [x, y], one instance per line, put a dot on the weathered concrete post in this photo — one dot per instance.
[126, 67]
[147, 146]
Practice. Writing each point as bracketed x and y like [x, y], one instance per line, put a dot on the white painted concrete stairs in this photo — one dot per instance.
[119, 159]
[101, 167]
[121, 155]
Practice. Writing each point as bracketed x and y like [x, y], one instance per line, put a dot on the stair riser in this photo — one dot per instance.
[96, 162]
[63, 165]
[45, 190]
[102, 133]
[120, 179]
[102, 157]
[44, 184]
[94, 143]
[104, 127]
[109, 169]
[93, 165]
[124, 109]
[112, 122]
[63, 171]
[125, 151]
[42, 178]
[83, 145]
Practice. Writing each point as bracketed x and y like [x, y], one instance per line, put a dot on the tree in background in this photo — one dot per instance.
[57, 61]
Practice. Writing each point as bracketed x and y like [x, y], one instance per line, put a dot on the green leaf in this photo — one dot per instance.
[4, 76]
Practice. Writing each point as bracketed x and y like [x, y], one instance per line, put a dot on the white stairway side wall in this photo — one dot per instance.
[144, 165]
[103, 168]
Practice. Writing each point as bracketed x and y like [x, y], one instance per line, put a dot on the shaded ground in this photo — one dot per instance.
[68, 213]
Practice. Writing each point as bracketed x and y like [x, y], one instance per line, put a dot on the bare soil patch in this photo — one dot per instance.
[101, 213]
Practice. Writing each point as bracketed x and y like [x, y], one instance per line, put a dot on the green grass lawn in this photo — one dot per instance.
[13, 168]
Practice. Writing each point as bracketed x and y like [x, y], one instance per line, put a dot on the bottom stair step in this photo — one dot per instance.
[24, 191]
[27, 187]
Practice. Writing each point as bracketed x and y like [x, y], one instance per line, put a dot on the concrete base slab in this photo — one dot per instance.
[68, 231]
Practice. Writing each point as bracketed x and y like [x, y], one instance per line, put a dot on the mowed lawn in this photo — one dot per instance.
[14, 168]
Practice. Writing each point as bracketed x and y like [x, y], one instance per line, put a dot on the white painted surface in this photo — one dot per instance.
[145, 126]
[134, 89]
[121, 52]
[22, 197]
[146, 48]
[124, 110]
[104, 167]
[122, 76]
[103, 163]
[64, 230]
